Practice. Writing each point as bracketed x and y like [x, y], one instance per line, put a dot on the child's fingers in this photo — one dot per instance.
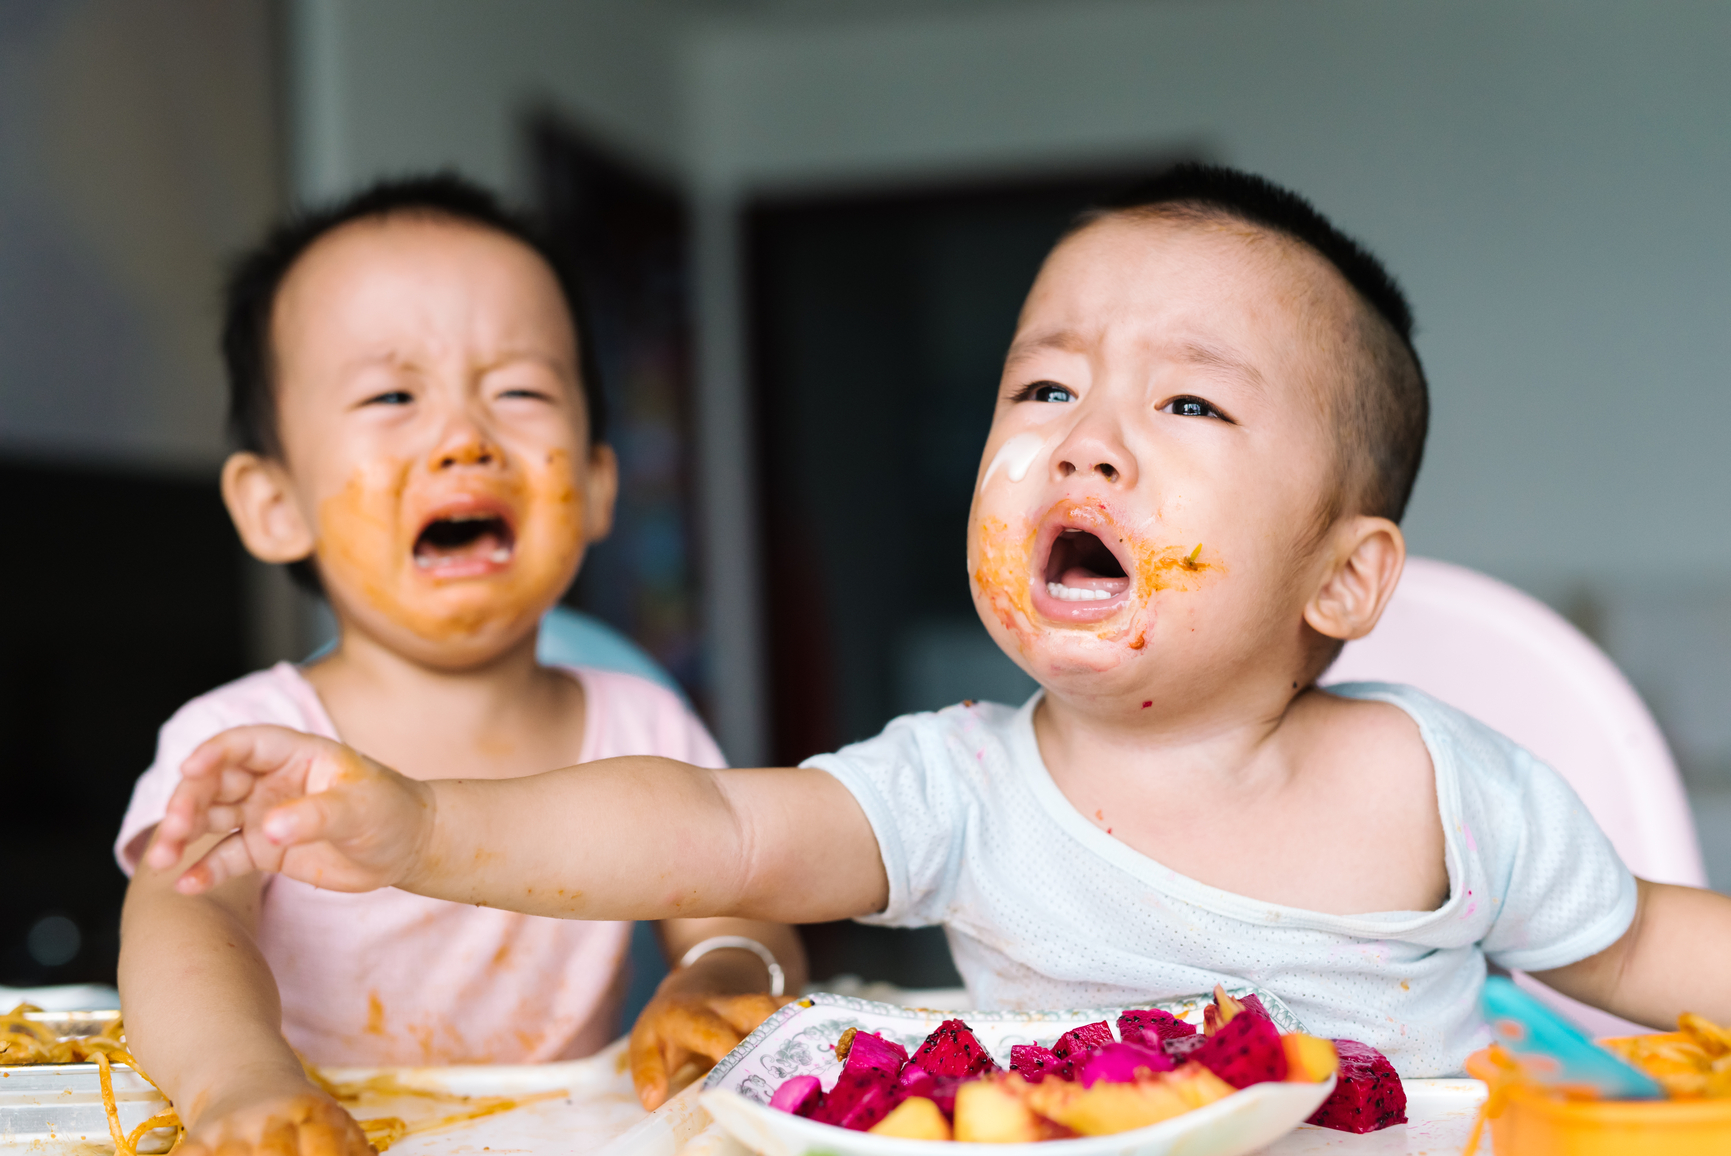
[700, 1030]
[648, 1063]
[227, 860]
[744, 1012]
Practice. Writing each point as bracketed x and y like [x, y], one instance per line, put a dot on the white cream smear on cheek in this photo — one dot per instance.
[1017, 455]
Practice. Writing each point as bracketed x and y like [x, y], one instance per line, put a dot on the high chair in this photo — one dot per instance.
[1516, 665]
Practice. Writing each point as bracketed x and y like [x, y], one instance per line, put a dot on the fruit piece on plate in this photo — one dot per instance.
[1309, 1059]
[1083, 1039]
[941, 1090]
[1181, 1048]
[1368, 1094]
[1197, 1086]
[1033, 1062]
[952, 1050]
[861, 1097]
[1222, 1011]
[1245, 1050]
[870, 1050]
[1118, 1063]
[1150, 1026]
[996, 1111]
[1106, 1108]
[915, 1118]
[798, 1095]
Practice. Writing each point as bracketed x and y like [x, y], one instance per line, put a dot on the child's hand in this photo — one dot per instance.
[675, 1030]
[312, 809]
[305, 1123]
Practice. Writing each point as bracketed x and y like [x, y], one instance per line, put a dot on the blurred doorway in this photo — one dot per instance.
[878, 327]
[624, 234]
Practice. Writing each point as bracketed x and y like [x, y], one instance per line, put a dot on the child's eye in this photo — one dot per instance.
[1045, 391]
[532, 394]
[391, 397]
[1192, 407]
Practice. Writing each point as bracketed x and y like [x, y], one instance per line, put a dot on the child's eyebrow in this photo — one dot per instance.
[1063, 340]
[1213, 357]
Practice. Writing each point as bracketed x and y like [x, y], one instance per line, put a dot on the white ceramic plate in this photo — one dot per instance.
[800, 1040]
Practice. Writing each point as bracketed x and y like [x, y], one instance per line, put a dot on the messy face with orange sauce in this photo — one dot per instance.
[435, 434]
[1160, 457]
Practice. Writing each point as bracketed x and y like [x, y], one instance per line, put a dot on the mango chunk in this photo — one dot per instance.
[1105, 1109]
[1197, 1086]
[989, 1112]
[1309, 1060]
[915, 1118]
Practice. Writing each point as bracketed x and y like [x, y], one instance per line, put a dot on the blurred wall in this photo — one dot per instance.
[138, 147]
[1547, 180]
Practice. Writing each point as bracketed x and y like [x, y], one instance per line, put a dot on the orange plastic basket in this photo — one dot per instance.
[1531, 1123]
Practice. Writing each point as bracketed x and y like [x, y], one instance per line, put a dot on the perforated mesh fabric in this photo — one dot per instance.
[1044, 910]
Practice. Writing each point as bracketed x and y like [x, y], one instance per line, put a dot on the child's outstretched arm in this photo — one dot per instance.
[203, 1017]
[1672, 959]
[626, 838]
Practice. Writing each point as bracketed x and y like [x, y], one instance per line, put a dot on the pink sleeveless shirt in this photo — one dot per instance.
[390, 978]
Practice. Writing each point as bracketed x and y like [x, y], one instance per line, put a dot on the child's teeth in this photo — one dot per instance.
[501, 555]
[1076, 593]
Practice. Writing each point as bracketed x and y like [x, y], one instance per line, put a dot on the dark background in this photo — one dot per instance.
[123, 597]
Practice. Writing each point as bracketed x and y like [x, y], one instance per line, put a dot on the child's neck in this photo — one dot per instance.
[1189, 740]
[507, 716]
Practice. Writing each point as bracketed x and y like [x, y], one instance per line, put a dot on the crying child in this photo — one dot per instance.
[1208, 425]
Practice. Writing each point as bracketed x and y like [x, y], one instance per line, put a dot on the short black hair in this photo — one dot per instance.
[1388, 414]
[256, 278]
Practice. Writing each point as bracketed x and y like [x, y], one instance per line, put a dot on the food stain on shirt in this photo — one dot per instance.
[375, 1015]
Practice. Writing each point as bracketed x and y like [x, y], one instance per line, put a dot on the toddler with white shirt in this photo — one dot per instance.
[1209, 423]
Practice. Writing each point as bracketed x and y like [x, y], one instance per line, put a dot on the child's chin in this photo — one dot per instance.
[1061, 655]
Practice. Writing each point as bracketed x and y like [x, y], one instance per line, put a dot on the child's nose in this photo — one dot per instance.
[467, 449]
[1095, 455]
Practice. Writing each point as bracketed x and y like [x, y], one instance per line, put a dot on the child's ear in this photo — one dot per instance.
[259, 500]
[1367, 557]
[599, 493]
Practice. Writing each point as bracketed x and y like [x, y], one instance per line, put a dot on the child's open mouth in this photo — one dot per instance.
[465, 544]
[1084, 580]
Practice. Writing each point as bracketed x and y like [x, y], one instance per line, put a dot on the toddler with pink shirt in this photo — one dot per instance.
[420, 427]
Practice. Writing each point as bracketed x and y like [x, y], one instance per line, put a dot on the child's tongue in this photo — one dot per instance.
[1080, 577]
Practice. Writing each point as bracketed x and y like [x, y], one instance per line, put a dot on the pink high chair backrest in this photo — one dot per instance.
[1512, 662]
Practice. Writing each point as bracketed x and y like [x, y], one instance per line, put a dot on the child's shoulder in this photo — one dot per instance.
[627, 714]
[1405, 723]
[278, 695]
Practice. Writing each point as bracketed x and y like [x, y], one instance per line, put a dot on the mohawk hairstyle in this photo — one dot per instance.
[255, 280]
[1386, 414]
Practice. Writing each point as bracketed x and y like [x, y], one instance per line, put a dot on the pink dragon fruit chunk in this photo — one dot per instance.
[1181, 1048]
[1245, 1051]
[870, 1050]
[952, 1050]
[1119, 1063]
[1033, 1062]
[872, 1107]
[1083, 1039]
[870, 1089]
[1253, 1005]
[1367, 1093]
[1150, 1026]
[940, 1090]
[797, 1095]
